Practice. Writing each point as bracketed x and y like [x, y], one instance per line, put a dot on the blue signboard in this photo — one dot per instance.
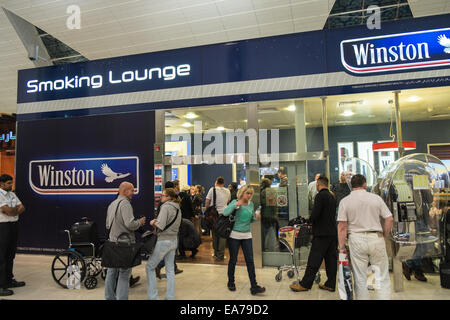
[316, 63]
[71, 168]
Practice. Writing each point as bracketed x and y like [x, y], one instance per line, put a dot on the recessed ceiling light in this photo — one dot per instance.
[291, 108]
[187, 124]
[348, 113]
[191, 115]
[220, 128]
[413, 99]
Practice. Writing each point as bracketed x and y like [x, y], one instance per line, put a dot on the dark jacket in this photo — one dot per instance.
[340, 190]
[323, 216]
[188, 236]
[197, 202]
[187, 209]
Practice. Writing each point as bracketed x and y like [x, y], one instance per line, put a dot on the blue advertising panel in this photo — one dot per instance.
[71, 168]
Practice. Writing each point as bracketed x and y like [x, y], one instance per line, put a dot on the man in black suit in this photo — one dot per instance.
[324, 242]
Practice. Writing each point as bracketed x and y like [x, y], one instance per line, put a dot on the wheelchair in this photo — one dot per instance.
[81, 262]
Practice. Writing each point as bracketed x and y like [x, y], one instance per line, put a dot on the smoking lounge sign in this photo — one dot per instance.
[83, 176]
[397, 52]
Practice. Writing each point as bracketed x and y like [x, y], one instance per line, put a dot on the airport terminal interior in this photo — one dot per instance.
[220, 88]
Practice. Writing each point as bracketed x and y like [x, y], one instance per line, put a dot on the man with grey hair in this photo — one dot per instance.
[121, 224]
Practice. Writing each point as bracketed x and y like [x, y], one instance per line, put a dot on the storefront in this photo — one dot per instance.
[302, 102]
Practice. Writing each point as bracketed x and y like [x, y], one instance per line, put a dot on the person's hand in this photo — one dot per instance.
[152, 223]
[239, 203]
[142, 221]
[258, 215]
[342, 250]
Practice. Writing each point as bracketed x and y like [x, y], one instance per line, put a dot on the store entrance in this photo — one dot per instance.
[195, 181]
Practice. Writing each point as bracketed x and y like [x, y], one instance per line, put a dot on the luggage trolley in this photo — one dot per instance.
[293, 238]
[82, 260]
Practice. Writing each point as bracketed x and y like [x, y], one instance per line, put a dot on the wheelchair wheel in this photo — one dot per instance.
[90, 283]
[61, 263]
[290, 274]
[317, 280]
[278, 277]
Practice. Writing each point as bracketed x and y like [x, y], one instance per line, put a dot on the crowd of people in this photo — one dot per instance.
[336, 218]
[178, 225]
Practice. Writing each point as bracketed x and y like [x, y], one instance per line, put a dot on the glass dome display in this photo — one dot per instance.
[410, 187]
[354, 166]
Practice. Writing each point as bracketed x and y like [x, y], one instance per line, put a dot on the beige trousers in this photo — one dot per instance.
[365, 248]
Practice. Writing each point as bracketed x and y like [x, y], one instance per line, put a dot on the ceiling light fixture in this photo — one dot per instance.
[187, 124]
[220, 128]
[191, 115]
[413, 99]
[291, 108]
[348, 113]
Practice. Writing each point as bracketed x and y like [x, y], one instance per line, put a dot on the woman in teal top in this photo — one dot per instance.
[241, 236]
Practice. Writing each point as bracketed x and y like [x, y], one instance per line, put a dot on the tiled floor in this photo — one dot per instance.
[197, 282]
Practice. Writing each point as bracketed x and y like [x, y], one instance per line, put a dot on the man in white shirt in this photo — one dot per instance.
[359, 216]
[223, 196]
[10, 209]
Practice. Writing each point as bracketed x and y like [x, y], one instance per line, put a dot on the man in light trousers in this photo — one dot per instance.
[359, 216]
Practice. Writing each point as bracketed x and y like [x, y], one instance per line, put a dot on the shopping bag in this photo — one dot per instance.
[345, 283]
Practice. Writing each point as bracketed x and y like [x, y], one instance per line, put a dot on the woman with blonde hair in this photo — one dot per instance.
[167, 225]
[241, 236]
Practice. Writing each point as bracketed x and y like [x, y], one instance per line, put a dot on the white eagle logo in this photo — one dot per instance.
[111, 175]
[445, 42]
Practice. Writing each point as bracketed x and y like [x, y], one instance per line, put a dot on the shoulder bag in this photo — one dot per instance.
[150, 237]
[224, 225]
[211, 213]
[117, 254]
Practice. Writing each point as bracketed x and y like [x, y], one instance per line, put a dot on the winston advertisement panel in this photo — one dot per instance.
[71, 168]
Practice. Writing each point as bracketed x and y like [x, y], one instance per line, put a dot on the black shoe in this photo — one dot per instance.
[133, 281]
[418, 274]
[231, 286]
[5, 292]
[406, 271]
[257, 289]
[178, 271]
[194, 252]
[158, 272]
[181, 257]
[15, 284]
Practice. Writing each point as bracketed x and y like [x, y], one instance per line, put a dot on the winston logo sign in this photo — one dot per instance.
[422, 49]
[83, 176]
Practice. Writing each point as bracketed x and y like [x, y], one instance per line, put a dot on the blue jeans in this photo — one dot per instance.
[122, 278]
[415, 263]
[247, 249]
[164, 250]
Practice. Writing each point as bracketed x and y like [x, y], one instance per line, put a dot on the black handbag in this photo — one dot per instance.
[150, 238]
[117, 254]
[224, 225]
